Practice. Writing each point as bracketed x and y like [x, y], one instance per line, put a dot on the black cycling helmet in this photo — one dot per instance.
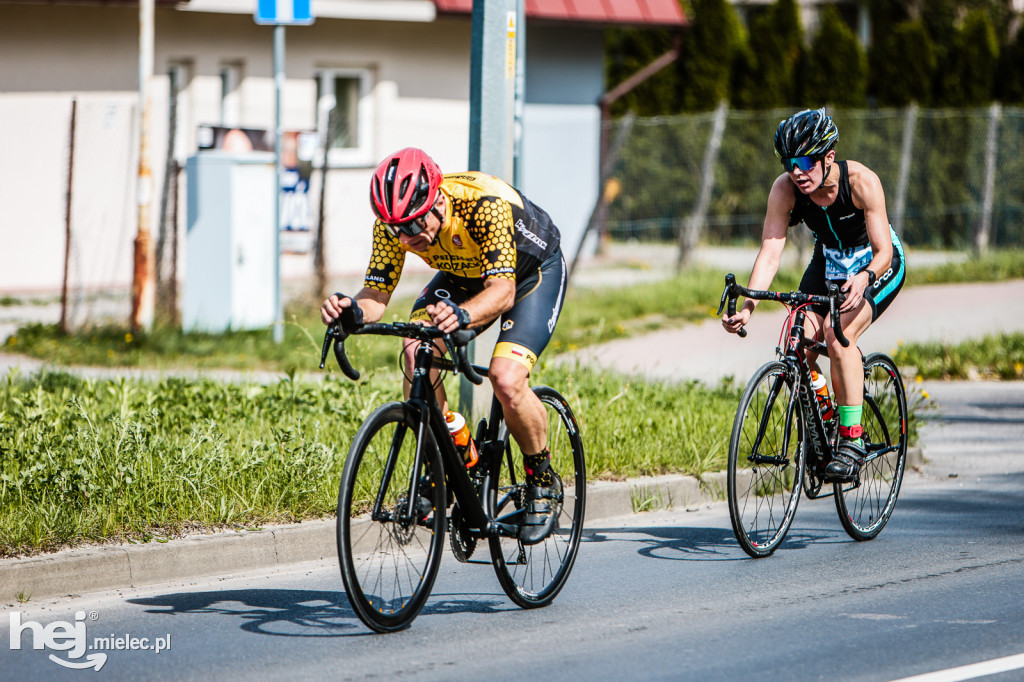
[808, 133]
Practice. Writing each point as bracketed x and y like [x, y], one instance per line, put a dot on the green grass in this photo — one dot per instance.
[993, 357]
[994, 267]
[94, 461]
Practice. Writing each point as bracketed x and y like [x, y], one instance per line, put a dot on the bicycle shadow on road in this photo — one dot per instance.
[688, 543]
[299, 613]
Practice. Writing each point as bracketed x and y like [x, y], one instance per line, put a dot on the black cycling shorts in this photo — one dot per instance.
[526, 328]
[879, 295]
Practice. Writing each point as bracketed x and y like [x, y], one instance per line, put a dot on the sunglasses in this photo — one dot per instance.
[409, 228]
[804, 163]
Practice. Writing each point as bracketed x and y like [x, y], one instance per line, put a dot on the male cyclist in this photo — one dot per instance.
[497, 255]
[843, 204]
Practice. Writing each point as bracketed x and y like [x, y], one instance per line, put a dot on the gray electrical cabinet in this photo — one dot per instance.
[230, 244]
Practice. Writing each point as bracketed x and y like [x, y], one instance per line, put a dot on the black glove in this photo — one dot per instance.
[351, 318]
[460, 313]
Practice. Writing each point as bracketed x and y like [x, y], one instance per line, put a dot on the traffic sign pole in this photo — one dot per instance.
[280, 13]
[278, 86]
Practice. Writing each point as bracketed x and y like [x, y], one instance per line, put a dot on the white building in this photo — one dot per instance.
[397, 71]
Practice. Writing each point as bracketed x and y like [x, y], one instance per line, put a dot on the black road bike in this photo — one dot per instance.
[780, 443]
[404, 484]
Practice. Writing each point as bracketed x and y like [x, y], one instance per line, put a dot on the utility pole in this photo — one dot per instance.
[492, 95]
[143, 280]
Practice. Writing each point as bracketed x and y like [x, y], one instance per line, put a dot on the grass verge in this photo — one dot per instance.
[998, 356]
[85, 461]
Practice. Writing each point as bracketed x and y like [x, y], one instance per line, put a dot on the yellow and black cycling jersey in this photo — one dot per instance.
[491, 230]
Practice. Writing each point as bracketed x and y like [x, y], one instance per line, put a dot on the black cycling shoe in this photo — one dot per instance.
[543, 506]
[845, 465]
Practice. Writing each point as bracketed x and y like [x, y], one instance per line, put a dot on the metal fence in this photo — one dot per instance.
[952, 178]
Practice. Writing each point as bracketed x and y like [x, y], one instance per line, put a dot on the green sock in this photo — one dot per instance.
[850, 415]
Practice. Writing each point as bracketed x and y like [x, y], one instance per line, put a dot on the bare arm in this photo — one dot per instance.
[870, 198]
[781, 200]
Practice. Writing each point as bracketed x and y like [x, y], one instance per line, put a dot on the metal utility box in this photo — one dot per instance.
[229, 267]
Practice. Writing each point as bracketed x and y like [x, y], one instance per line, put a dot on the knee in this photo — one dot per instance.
[508, 387]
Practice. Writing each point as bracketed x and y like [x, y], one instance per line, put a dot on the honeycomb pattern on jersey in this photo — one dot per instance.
[386, 261]
[492, 227]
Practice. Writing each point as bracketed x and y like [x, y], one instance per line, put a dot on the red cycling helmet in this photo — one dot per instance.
[404, 186]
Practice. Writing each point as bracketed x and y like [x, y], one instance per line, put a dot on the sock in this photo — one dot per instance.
[538, 469]
[849, 422]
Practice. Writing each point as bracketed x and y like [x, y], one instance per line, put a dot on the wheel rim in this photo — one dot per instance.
[390, 562]
[867, 505]
[764, 464]
[535, 573]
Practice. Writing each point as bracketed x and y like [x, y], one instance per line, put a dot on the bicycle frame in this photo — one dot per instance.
[433, 432]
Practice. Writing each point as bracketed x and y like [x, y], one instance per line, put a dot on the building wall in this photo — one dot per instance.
[418, 95]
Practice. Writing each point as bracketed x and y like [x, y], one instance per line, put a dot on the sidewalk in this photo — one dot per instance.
[948, 313]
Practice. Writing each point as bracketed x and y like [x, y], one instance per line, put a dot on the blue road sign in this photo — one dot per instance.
[284, 12]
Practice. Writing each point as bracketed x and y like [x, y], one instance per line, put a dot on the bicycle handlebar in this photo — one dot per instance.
[456, 343]
[833, 300]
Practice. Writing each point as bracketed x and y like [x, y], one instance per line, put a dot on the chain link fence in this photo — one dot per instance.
[952, 178]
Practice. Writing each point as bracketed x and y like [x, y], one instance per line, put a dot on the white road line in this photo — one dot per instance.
[969, 672]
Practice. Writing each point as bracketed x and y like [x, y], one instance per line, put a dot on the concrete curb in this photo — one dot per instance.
[78, 571]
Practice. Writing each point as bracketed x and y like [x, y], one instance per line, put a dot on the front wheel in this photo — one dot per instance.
[766, 460]
[532, 575]
[390, 547]
[865, 505]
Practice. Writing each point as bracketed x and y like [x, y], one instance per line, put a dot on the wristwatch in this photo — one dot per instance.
[871, 276]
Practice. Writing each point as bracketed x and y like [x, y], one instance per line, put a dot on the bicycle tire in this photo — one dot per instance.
[766, 460]
[865, 506]
[388, 566]
[533, 575]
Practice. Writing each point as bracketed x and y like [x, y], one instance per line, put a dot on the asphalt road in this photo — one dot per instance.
[664, 595]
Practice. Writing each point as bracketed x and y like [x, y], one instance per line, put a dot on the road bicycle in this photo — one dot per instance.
[781, 444]
[404, 484]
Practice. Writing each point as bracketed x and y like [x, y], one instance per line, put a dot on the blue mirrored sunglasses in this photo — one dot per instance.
[804, 163]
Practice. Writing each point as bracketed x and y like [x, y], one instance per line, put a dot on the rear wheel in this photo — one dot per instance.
[865, 505]
[389, 549]
[532, 575]
[766, 461]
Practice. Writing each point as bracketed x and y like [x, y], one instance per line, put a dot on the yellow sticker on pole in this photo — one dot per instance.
[510, 47]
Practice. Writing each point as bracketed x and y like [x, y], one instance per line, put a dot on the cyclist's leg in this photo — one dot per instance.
[526, 330]
[849, 379]
[442, 286]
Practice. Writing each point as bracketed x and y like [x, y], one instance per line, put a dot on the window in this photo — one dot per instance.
[343, 115]
[230, 98]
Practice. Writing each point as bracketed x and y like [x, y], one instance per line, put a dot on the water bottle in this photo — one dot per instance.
[463, 441]
[821, 393]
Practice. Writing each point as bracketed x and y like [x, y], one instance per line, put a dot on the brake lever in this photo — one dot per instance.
[727, 294]
[328, 335]
[335, 333]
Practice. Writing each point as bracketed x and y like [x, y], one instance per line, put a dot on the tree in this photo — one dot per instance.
[904, 66]
[707, 55]
[627, 50]
[763, 67]
[1010, 80]
[969, 78]
[836, 68]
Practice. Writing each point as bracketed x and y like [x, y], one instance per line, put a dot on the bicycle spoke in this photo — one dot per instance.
[764, 461]
[865, 508]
